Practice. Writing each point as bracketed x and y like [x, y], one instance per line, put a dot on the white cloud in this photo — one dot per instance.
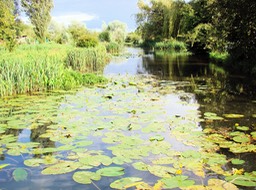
[71, 17]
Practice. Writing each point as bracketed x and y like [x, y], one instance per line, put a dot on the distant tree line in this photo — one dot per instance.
[208, 25]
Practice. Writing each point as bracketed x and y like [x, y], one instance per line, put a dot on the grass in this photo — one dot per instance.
[171, 46]
[219, 58]
[32, 68]
[87, 59]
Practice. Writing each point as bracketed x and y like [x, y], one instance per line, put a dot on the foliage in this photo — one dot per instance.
[58, 33]
[171, 46]
[39, 15]
[133, 38]
[81, 36]
[7, 24]
[113, 48]
[87, 60]
[43, 67]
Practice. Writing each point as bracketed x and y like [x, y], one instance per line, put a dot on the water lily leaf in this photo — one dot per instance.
[237, 161]
[161, 171]
[20, 174]
[85, 177]
[125, 183]
[83, 143]
[157, 138]
[191, 153]
[247, 180]
[253, 135]
[177, 181]
[254, 115]
[111, 171]
[233, 116]
[221, 185]
[33, 162]
[241, 139]
[140, 166]
[242, 128]
[212, 116]
[61, 168]
[164, 160]
[3, 166]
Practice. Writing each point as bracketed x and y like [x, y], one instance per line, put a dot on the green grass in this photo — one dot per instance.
[171, 46]
[87, 59]
[32, 68]
[218, 57]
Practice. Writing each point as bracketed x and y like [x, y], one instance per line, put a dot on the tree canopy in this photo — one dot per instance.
[39, 15]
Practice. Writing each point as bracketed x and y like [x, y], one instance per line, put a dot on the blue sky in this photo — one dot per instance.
[95, 12]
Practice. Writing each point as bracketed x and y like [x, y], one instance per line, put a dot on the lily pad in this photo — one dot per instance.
[241, 139]
[61, 168]
[242, 128]
[177, 181]
[233, 116]
[125, 183]
[157, 138]
[111, 171]
[237, 161]
[140, 166]
[85, 177]
[20, 174]
[247, 180]
[3, 166]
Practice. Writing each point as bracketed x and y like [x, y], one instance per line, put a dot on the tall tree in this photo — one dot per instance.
[38, 12]
[8, 24]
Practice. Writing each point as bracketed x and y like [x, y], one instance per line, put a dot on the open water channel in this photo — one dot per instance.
[161, 122]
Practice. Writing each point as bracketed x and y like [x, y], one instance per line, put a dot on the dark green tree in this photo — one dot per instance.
[38, 12]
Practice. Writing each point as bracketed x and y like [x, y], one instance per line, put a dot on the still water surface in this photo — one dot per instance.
[188, 84]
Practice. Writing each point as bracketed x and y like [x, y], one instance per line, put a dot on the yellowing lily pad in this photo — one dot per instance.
[233, 116]
[140, 166]
[242, 128]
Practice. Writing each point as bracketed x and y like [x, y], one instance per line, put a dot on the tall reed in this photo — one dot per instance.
[171, 46]
[87, 59]
[42, 68]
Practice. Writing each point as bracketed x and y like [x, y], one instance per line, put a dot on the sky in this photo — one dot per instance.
[95, 12]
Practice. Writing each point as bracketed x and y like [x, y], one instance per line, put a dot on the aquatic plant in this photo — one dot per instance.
[171, 46]
[44, 67]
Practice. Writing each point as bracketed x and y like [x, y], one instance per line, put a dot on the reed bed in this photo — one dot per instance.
[87, 59]
[171, 46]
[42, 68]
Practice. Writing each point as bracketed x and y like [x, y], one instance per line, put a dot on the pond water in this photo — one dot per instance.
[162, 120]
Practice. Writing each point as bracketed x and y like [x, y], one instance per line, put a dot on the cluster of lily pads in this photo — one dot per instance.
[128, 131]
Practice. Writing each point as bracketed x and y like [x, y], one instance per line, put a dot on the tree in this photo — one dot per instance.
[8, 24]
[81, 36]
[38, 12]
[237, 22]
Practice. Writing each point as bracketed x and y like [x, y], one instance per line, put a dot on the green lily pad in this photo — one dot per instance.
[85, 177]
[177, 181]
[125, 183]
[237, 161]
[111, 171]
[157, 138]
[253, 135]
[33, 162]
[20, 174]
[246, 180]
[241, 139]
[161, 171]
[242, 128]
[233, 116]
[212, 116]
[140, 166]
[61, 168]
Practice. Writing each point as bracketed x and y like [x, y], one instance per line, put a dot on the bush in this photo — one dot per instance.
[87, 41]
[113, 48]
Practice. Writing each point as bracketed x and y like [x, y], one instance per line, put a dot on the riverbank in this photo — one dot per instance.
[43, 67]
